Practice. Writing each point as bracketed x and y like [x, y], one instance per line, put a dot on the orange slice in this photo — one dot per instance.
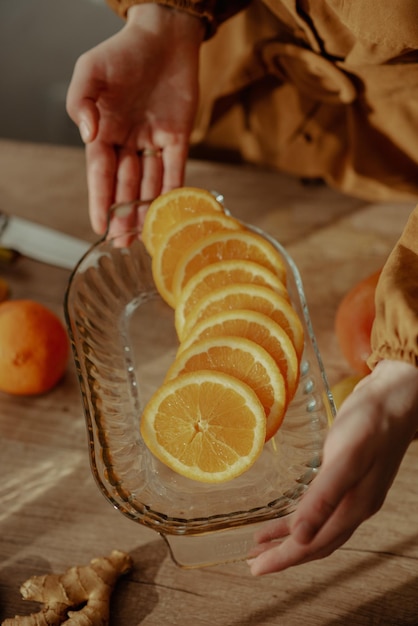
[171, 208]
[254, 298]
[258, 328]
[178, 239]
[242, 244]
[217, 275]
[206, 425]
[245, 360]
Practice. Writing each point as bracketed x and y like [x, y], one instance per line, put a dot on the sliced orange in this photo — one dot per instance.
[242, 244]
[217, 275]
[256, 327]
[245, 360]
[205, 425]
[178, 239]
[254, 298]
[171, 208]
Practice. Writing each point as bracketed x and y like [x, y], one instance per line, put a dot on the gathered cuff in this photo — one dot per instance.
[395, 329]
[206, 10]
[392, 353]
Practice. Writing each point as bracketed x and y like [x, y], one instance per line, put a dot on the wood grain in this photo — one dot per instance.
[52, 514]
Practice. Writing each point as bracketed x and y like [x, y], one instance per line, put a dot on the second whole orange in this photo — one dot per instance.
[34, 348]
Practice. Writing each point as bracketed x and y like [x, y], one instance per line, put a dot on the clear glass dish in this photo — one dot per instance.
[123, 341]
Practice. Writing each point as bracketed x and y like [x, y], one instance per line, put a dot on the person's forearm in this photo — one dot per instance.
[159, 19]
[211, 13]
[202, 10]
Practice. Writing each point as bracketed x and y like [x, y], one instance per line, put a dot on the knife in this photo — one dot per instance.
[38, 242]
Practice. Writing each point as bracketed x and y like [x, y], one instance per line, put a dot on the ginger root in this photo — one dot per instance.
[79, 597]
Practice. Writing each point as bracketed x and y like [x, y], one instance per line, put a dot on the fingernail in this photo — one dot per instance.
[254, 568]
[261, 569]
[84, 130]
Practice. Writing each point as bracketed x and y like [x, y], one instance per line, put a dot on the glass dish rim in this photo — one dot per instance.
[145, 515]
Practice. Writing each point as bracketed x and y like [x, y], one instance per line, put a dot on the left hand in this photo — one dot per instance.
[362, 455]
[134, 99]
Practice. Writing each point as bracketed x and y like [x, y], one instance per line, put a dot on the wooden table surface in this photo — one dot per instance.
[52, 514]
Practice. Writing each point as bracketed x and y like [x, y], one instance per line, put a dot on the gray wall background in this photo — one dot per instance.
[40, 41]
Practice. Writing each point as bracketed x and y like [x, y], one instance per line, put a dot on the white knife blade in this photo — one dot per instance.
[41, 242]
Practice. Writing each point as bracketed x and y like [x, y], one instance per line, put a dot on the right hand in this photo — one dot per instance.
[362, 454]
[137, 90]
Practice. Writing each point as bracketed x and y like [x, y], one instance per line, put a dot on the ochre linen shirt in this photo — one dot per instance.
[322, 88]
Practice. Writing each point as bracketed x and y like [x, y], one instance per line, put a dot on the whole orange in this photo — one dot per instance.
[34, 348]
[354, 321]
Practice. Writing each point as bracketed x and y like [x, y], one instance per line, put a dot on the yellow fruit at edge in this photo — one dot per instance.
[344, 387]
[207, 426]
[340, 391]
[171, 208]
[177, 240]
[245, 360]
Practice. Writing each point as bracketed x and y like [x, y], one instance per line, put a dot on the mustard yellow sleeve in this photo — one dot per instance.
[395, 329]
[213, 12]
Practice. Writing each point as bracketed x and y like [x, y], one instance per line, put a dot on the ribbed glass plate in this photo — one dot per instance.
[123, 341]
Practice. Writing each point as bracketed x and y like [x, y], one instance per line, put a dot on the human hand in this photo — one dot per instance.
[362, 454]
[134, 98]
